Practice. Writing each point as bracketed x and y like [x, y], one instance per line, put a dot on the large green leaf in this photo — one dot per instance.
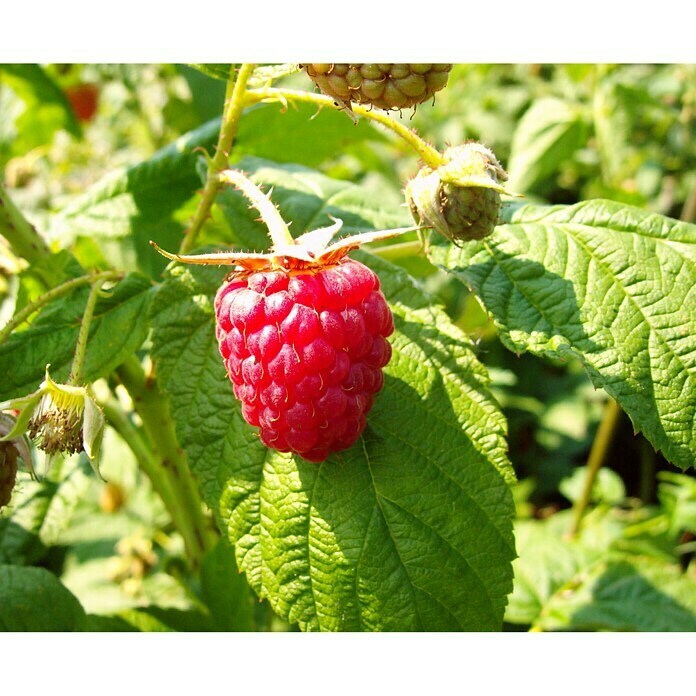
[608, 283]
[407, 530]
[118, 328]
[550, 131]
[32, 599]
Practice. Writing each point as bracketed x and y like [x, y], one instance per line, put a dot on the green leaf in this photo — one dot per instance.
[46, 108]
[608, 283]
[550, 131]
[225, 591]
[623, 595]
[408, 530]
[32, 599]
[118, 328]
[317, 136]
[128, 208]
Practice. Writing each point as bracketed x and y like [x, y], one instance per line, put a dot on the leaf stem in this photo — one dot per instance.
[598, 452]
[234, 105]
[427, 152]
[23, 314]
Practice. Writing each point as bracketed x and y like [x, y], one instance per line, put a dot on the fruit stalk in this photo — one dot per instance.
[234, 105]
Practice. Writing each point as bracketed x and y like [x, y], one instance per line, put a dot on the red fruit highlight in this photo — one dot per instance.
[305, 353]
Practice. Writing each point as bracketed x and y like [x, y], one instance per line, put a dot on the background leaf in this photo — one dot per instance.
[624, 571]
[608, 283]
[624, 596]
[118, 328]
[307, 198]
[46, 108]
[32, 599]
[129, 207]
[40, 510]
[225, 591]
[548, 134]
[301, 134]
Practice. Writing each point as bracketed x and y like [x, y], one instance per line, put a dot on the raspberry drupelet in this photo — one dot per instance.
[305, 353]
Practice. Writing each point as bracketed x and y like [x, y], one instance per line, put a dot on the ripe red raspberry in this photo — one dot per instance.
[302, 331]
[305, 352]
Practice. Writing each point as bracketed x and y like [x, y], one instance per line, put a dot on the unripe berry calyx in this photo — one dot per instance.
[460, 199]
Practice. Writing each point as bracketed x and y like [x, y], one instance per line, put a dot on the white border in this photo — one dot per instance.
[401, 664]
[494, 31]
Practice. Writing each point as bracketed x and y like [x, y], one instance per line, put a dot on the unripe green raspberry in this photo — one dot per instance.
[461, 198]
[8, 471]
[384, 85]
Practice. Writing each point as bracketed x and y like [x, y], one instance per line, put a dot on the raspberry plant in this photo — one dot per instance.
[294, 419]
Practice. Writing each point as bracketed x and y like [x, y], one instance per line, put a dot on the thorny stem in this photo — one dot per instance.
[600, 447]
[427, 153]
[234, 104]
[60, 290]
